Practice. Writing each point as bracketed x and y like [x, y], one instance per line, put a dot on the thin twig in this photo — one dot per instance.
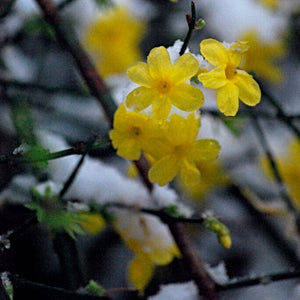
[88, 72]
[162, 214]
[77, 149]
[191, 21]
[258, 280]
[280, 113]
[46, 292]
[282, 188]
[27, 86]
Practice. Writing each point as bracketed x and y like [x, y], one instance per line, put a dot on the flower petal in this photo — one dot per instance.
[249, 90]
[140, 271]
[161, 108]
[213, 79]
[228, 99]
[140, 98]
[204, 150]
[184, 68]
[129, 149]
[159, 62]
[214, 52]
[164, 170]
[139, 74]
[187, 97]
[189, 174]
[236, 52]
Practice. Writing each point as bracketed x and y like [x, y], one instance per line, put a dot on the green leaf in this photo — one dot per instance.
[102, 3]
[23, 121]
[37, 25]
[172, 210]
[95, 289]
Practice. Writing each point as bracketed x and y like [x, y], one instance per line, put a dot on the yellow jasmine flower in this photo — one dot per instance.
[151, 242]
[113, 40]
[178, 151]
[92, 223]
[289, 169]
[130, 133]
[212, 176]
[261, 57]
[231, 83]
[163, 84]
[272, 4]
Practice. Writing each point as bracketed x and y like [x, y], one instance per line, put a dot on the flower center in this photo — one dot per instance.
[163, 87]
[180, 150]
[135, 131]
[230, 71]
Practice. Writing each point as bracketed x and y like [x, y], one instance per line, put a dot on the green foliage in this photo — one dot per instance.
[172, 210]
[95, 289]
[52, 214]
[23, 121]
[36, 25]
[102, 3]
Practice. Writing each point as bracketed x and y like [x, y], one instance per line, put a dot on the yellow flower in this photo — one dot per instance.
[92, 223]
[177, 151]
[113, 40]
[130, 133]
[212, 176]
[231, 83]
[163, 84]
[261, 57]
[289, 169]
[151, 242]
[272, 4]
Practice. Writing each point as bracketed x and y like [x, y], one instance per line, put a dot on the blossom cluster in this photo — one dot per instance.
[161, 117]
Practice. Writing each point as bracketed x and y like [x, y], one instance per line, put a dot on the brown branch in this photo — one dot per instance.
[97, 88]
[206, 285]
[93, 81]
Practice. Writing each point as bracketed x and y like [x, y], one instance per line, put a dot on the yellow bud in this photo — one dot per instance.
[225, 241]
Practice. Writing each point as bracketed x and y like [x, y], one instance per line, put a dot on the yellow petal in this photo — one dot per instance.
[205, 150]
[228, 99]
[92, 223]
[140, 98]
[187, 97]
[184, 68]
[129, 149]
[249, 90]
[159, 62]
[236, 52]
[139, 74]
[161, 108]
[213, 79]
[163, 171]
[140, 272]
[189, 174]
[214, 52]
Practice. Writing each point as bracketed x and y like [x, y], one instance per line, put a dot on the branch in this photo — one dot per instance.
[78, 149]
[191, 20]
[16, 84]
[88, 72]
[24, 289]
[282, 188]
[280, 113]
[262, 279]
